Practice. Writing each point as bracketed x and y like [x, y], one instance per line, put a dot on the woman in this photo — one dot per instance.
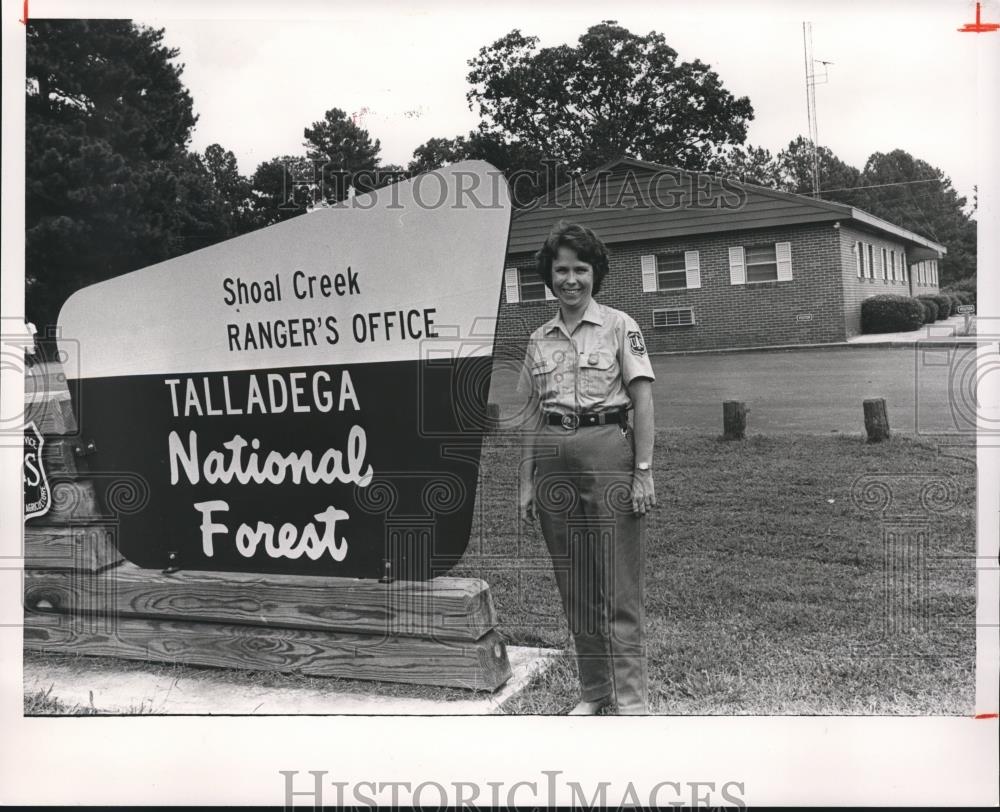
[585, 473]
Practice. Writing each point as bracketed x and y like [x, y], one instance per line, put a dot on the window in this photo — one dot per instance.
[762, 263]
[673, 317]
[871, 261]
[902, 266]
[885, 264]
[530, 285]
[671, 271]
[892, 263]
[525, 285]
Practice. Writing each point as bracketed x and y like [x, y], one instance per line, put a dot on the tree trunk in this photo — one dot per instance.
[734, 419]
[876, 420]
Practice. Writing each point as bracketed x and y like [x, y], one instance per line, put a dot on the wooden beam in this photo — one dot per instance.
[74, 501]
[441, 608]
[58, 457]
[478, 665]
[77, 548]
[51, 415]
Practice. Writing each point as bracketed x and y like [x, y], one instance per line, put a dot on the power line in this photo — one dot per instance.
[883, 185]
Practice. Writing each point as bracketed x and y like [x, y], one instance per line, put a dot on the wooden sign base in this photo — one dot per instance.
[82, 597]
[437, 632]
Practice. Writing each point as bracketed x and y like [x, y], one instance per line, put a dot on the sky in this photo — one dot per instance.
[902, 75]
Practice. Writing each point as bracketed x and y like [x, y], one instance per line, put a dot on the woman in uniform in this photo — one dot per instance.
[586, 474]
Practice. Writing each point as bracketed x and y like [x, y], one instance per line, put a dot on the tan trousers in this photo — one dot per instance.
[583, 493]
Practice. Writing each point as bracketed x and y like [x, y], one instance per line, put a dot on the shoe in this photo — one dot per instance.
[590, 708]
[631, 710]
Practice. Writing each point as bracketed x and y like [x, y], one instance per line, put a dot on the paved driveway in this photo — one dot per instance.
[807, 391]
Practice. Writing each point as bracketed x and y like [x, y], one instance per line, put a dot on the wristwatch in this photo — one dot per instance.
[642, 466]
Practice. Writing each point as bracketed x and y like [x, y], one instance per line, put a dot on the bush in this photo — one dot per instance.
[944, 305]
[965, 287]
[890, 313]
[965, 297]
[930, 308]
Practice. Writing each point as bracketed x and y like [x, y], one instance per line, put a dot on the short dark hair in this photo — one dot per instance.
[583, 241]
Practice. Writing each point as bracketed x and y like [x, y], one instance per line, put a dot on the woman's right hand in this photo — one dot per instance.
[526, 499]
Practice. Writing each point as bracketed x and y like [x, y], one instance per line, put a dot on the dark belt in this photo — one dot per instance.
[572, 421]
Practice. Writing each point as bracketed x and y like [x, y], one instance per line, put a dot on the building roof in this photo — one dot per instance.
[627, 200]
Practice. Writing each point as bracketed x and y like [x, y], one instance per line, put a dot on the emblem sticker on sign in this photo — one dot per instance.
[310, 397]
[37, 495]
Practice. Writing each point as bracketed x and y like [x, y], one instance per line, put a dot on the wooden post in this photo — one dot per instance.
[734, 419]
[492, 416]
[876, 420]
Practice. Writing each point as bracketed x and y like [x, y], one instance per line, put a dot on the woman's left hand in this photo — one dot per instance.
[643, 494]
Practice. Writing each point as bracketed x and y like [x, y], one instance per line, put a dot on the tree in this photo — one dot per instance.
[913, 194]
[284, 187]
[437, 152]
[837, 179]
[528, 172]
[613, 94]
[748, 164]
[109, 184]
[343, 150]
[232, 188]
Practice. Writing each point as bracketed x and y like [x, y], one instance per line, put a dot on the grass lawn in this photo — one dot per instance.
[766, 587]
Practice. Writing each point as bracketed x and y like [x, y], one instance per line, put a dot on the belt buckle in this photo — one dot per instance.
[570, 421]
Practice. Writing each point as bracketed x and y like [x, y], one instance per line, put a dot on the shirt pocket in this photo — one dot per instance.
[543, 376]
[599, 373]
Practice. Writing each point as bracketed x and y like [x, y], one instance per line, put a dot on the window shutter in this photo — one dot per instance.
[859, 259]
[783, 254]
[648, 263]
[902, 266]
[692, 267]
[549, 294]
[737, 266]
[510, 283]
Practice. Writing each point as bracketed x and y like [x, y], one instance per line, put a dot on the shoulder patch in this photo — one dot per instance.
[635, 342]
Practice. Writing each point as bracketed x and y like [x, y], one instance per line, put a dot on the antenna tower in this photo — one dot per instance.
[812, 79]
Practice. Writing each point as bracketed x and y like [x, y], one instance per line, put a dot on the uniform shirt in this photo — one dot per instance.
[590, 370]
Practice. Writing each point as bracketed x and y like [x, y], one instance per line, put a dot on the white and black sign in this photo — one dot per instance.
[309, 397]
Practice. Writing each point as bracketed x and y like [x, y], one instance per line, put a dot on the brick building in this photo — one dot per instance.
[703, 263]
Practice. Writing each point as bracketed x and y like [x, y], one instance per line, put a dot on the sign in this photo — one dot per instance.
[307, 398]
[804, 317]
[37, 494]
[966, 308]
